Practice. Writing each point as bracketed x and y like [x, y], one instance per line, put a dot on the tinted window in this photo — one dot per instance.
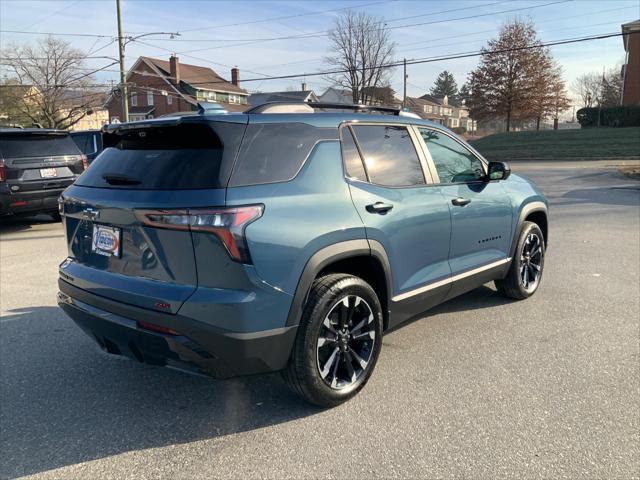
[453, 162]
[389, 155]
[190, 155]
[275, 152]
[36, 145]
[351, 157]
[85, 142]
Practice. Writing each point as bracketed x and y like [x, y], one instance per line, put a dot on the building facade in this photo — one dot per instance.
[631, 68]
[160, 87]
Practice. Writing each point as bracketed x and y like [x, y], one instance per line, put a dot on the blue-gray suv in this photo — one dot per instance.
[246, 243]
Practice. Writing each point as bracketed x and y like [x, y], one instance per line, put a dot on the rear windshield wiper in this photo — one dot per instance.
[112, 179]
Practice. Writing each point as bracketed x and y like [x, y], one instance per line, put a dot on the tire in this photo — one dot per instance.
[525, 273]
[330, 364]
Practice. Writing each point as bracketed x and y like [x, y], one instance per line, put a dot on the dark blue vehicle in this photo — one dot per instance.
[239, 244]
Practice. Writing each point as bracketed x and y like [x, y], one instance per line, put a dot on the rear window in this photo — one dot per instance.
[185, 156]
[275, 152]
[37, 145]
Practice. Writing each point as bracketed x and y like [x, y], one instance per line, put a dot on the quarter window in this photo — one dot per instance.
[275, 152]
[390, 157]
[454, 163]
[351, 157]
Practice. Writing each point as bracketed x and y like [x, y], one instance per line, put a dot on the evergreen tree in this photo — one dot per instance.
[445, 84]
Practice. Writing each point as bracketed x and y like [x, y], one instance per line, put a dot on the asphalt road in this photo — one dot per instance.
[481, 387]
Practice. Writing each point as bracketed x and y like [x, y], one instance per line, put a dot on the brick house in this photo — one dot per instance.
[159, 87]
[631, 68]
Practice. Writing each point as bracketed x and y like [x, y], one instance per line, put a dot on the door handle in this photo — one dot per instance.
[461, 202]
[379, 207]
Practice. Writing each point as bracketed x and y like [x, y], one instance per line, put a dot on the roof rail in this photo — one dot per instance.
[303, 107]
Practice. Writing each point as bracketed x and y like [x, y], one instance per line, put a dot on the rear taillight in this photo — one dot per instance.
[85, 162]
[3, 174]
[228, 224]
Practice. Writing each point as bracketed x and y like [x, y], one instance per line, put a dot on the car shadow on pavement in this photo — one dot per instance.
[622, 195]
[19, 224]
[65, 402]
[481, 298]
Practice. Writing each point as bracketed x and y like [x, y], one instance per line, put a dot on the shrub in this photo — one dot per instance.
[459, 130]
[609, 117]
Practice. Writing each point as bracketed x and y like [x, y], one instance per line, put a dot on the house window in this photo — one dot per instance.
[427, 108]
[134, 99]
[149, 98]
[169, 99]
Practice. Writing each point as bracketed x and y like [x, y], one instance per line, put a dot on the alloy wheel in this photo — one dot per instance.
[346, 342]
[531, 262]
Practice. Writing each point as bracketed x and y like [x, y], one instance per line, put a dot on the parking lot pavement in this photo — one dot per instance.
[481, 387]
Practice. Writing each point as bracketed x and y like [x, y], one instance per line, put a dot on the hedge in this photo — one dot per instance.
[609, 117]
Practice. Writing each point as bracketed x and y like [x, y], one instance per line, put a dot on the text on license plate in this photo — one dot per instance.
[48, 172]
[106, 240]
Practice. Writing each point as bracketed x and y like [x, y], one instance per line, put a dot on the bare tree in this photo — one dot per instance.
[361, 46]
[588, 87]
[56, 81]
[612, 87]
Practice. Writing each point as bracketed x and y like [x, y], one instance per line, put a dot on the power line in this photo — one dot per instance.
[251, 22]
[454, 56]
[326, 32]
[322, 31]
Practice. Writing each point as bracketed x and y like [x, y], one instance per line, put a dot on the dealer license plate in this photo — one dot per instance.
[106, 240]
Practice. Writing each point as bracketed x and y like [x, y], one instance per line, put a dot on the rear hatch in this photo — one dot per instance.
[126, 218]
[39, 160]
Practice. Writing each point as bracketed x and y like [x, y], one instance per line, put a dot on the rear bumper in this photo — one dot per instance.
[29, 202]
[199, 347]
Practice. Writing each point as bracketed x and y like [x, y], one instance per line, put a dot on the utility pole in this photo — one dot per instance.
[123, 80]
[404, 97]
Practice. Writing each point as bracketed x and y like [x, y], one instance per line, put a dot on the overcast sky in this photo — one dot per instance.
[221, 34]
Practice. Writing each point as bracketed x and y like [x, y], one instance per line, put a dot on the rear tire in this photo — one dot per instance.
[338, 342]
[525, 273]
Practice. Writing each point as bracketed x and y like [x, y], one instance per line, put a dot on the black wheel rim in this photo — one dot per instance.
[531, 262]
[346, 342]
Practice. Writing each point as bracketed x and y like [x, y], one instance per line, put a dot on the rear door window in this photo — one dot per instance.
[37, 145]
[173, 157]
[390, 157]
[275, 152]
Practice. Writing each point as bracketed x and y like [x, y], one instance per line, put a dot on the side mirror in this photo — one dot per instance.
[498, 171]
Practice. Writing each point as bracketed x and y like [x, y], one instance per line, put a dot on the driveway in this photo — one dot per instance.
[481, 387]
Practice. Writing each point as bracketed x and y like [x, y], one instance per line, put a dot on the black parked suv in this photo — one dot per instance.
[36, 165]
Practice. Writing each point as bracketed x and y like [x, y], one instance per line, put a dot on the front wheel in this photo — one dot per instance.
[527, 264]
[338, 342]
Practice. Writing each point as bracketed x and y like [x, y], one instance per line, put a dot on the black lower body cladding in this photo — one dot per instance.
[196, 347]
[43, 201]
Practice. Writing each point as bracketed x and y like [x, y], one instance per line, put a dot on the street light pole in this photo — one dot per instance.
[123, 80]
